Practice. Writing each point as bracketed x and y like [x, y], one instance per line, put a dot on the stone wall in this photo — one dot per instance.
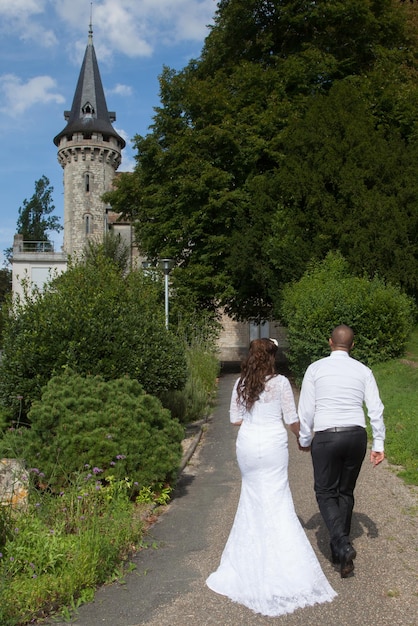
[89, 170]
[13, 483]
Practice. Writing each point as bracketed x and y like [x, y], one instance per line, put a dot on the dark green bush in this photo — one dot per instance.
[95, 320]
[326, 296]
[113, 427]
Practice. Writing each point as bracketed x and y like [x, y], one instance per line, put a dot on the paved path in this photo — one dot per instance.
[168, 586]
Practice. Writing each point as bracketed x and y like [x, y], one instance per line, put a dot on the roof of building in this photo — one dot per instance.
[89, 109]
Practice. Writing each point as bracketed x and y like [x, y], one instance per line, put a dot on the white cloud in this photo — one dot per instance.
[20, 17]
[17, 96]
[120, 90]
[19, 8]
[34, 32]
[136, 27]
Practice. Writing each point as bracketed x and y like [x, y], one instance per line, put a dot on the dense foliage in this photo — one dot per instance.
[113, 427]
[328, 295]
[95, 320]
[294, 133]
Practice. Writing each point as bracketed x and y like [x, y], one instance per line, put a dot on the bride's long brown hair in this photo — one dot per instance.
[256, 369]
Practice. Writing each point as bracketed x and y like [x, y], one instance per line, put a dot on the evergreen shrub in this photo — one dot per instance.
[328, 295]
[112, 427]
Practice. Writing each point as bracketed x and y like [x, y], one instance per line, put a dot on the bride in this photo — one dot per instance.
[268, 564]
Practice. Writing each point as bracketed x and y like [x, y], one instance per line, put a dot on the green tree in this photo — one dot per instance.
[348, 183]
[96, 321]
[35, 219]
[210, 188]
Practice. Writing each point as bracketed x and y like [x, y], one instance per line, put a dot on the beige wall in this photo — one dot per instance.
[235, 337]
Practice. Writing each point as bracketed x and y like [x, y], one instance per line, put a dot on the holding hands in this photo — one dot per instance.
[303, 449]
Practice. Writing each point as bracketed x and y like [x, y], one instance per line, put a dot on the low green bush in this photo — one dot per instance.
[326, 296]
[113, 427]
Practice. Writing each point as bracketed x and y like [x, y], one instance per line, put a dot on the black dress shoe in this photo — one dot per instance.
[347, 555]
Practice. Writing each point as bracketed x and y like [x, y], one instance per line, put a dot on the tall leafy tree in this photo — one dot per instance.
[218, 177]
[348, 184]
[35, 215]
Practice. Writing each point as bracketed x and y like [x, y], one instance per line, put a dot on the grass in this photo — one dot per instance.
[398, 385]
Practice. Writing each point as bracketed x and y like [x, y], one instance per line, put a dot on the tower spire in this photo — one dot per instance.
[90, 40]
[89, 111]
[89, 151]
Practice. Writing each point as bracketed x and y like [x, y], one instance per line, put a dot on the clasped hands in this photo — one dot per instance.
[303, 448]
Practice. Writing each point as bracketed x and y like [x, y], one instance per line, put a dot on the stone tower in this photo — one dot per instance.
[89, 151]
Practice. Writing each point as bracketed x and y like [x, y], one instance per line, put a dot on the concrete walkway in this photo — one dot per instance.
[168, 586]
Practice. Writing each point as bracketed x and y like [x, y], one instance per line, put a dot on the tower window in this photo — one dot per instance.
[88, 110]
[88, 224]
[87, 183]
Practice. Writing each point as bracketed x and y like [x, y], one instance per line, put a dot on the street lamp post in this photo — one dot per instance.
[167, 265]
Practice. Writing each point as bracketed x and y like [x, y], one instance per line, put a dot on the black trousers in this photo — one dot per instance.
[337, 458]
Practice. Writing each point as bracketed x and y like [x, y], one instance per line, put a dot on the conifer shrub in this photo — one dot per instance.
[113, 428]
[327, 295]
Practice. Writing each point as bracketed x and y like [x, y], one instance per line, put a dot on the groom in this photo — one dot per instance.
[332, 425]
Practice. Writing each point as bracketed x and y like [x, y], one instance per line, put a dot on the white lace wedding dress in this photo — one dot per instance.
[268, 564]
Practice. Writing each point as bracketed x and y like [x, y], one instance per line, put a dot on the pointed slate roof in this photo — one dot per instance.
[89, 110]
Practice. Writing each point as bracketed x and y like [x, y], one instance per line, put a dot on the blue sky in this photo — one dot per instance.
[42, 44]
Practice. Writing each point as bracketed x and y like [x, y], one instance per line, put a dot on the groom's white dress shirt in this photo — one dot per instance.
[334, 390]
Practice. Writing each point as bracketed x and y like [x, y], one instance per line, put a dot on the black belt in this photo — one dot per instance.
[341, 429]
